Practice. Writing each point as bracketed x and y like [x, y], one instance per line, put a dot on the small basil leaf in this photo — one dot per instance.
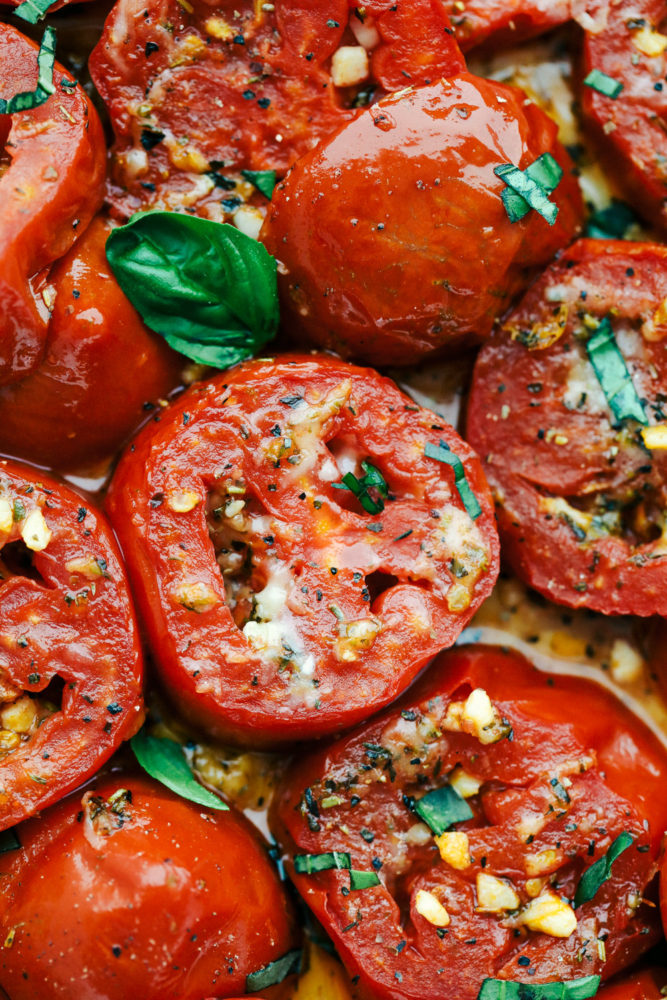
[45, 87]
[362, 880]
[442, 808]
[600, 871]
[274, 972]
[33, 11]
[613, 375]
[165, 761]
[444, 454]
[612, 222]
[264, 180]
[208, 289]
[9, 841]
[575, 989]
[306, 864]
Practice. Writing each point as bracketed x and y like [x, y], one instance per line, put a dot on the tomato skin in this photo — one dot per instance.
[395, 270]
[505, 22]
[176, 902]
[314, 543]
[629, 130]
[369, 774]
[644, 985]
[52, 188]
[79, 407]
[559, 445]
[75, 624]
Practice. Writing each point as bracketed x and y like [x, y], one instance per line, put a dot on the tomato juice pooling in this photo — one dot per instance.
[302, 538]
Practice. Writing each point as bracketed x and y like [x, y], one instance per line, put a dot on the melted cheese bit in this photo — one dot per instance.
[476, 716]
[655, 437]
[454, 848]
[463, 783]
[183, 501]
[431, 909]
[649, 41]
[6, 516]
[495, 895]
[35, 532]
[349, 66]
[549, 915]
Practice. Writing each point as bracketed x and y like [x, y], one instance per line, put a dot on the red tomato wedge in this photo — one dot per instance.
[503, 22]
[280, 605]
[549, 772]
[581, 493]
[125, 889]
[79, 406]
[49, 191]
[630, 127]
[70, 666]
[415, 253]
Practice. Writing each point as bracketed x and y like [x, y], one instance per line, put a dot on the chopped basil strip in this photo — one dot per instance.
[208, 289]
[33, 10]
[612, 222]
[604, 84]
[531, 191]
[45, 86]
[545, 171]
[576, 989]
[165, 761]
[306, 864]
[444, 453]
[362, 880]
[613, 375]
[9, 841]
[442, 808]
[600, 870]
[372, 478]
[274, 972]
[264, 180]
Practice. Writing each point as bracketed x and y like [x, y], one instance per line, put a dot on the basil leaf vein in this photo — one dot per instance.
[165, 761]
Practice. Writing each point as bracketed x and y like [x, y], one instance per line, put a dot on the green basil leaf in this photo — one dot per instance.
[208, 289]
[274, 972]
[575, 989]
[612, 222]
[442, 808]
[603, 83]
[360, 486]
[33, 11]
[600, 871]
[362, 880]
[165, 761]
[306, 864]
[46, 58]
[264, 180]
[530, 190]
[613, 375]
[445, 454]
[9, 841]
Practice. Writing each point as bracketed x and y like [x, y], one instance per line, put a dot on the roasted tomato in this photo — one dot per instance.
[543, 777]
[647, 984]
[281, 605]
[393, 237]
[79, 406]
[51, 184]
[557, 410]
[70, 663]
[507, 21]
[128, 890]
[630, 124]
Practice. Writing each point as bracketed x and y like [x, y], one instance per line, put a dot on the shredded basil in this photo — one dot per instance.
[444, 454]
[611, 223]
[362, 880]
[274, 972]
[442, 808]
[575, 989]
[45, 87]
[603, 83]
[372, 478]
[165, 761]
[9, 841]
[530, 188]
[600, 870]
[33, 10]
[613, 375]
[263, 180]
[208, 289]
[306, 864]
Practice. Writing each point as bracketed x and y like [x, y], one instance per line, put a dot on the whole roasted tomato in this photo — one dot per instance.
[125, 889]
[498, 823]
[50, 190]
[70, 662]
[301, 538]
[567, 410]
[393, 237]
[647, 984]
[624, 99]
[79, 406]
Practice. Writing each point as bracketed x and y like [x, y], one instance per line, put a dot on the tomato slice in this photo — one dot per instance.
[631, 128]
[550, 770]
[416, 252]
[71, 668]
[278, 607]
[124, 888]
[647, 984]
[51, 184]
[504, 22]
[580, 496]
[79, 407]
